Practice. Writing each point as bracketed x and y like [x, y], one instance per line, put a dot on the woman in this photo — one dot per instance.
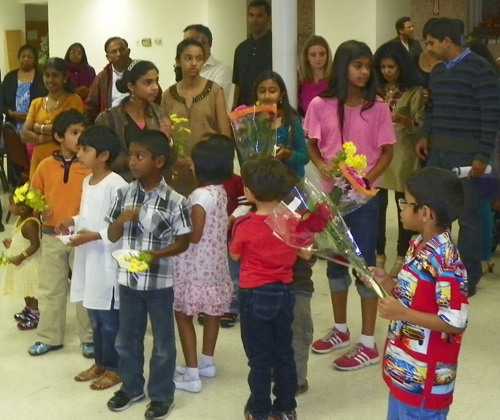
[315, 69]
[199, 100]
[37, 129]
[80, 73]
[137, 111]
[400, 86]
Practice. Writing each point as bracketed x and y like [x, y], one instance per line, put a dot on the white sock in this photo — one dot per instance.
[341, 327]
[367, 341]
[193, 373]
[206, 361]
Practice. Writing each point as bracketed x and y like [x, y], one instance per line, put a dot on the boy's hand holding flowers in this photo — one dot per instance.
[392, 309]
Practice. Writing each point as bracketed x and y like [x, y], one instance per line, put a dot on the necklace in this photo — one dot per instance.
[55, 106]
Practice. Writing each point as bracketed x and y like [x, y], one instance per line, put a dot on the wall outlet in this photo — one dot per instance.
[158, 42]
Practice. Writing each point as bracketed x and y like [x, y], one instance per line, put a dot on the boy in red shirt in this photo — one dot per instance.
[266, 298]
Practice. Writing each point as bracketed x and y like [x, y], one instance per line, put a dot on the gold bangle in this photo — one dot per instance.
[41, 129]
[25, 255]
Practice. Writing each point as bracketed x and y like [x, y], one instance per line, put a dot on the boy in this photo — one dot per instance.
[428, 305]
[60, 180]
[153, 218]
[94, 279]
[266, 298]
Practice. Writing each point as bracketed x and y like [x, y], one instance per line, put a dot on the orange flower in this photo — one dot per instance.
[368, 192]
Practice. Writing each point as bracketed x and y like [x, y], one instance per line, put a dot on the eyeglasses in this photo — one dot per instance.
[402, 203]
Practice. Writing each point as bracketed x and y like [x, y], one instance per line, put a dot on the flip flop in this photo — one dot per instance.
[108, 380]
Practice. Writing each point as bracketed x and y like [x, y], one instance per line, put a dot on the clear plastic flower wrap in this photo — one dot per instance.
[306, 218]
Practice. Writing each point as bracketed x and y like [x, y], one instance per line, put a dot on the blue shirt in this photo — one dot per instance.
[457, 60]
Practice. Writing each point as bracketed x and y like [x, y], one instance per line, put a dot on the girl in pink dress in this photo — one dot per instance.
[202, 283]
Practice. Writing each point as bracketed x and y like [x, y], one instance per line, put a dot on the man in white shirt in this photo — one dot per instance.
[213, 69]
[405, 30]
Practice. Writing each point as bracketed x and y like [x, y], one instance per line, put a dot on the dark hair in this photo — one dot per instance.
[201, 29]
[408, 77]
[445, 198]
[290, 114]
[85, 61]
[266, 177]
[185, 43]
[135, 70]
[441, 28]
[213, 160]
[460, 24]
[400, 23]
[345, 54]
[61, 66]
[113, 39]
[65, 119]
[426, 25]
[477, 47]
[156, 142]
[102, 139]
[261, 3]
[31, 49]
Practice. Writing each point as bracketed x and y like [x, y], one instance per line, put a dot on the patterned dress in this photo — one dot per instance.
[22, 280]
[201, 274]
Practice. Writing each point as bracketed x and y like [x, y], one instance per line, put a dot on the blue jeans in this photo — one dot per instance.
[469, 236]
[266, 315]
[401, 411]
[234, 272]
[135, 305]
[363, 224]
[105, 324]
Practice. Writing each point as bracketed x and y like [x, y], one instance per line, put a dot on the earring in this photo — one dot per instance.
[132, 97]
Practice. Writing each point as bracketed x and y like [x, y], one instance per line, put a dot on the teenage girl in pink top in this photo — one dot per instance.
[350, 111]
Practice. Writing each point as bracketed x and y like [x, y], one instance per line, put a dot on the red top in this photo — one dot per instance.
[234, 190]
[264, 258]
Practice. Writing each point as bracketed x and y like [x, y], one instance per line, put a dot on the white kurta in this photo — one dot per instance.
[95, 271]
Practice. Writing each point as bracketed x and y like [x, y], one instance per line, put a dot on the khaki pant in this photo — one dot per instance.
[302, 328]
[53, 295]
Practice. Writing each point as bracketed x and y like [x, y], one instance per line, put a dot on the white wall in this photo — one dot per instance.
[13, 20]
[387, 13]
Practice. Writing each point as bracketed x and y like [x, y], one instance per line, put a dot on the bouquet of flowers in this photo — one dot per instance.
[255, 130]
[180, 134]
[30, 198]
[307, 218]
[4, 260]
[348, 189]
[137, 263]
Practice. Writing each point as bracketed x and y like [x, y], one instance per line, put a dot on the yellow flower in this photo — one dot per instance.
[30, 196]
[358, 163]
[349, 149]
[187, 130]
[173, 116]
[25, 188]
[183, 120]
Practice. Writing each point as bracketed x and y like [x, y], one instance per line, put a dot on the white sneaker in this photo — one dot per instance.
[207, 371]
[186, 383]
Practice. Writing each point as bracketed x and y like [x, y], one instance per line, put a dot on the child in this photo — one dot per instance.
[150, 217]
[266, 298]
[202, 281]
[94, 279]
[60, 179]
[350, 111]
[269, 88]
[21, 276]
[428, 305]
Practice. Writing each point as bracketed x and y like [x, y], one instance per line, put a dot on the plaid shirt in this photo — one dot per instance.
[163, 216]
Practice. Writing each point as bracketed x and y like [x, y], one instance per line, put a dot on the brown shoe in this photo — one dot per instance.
[108, 380]
[91, 373]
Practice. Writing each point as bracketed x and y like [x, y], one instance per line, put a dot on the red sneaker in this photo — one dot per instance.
[356, 358]
[331, 341]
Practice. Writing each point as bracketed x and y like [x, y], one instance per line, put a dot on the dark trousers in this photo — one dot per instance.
[135, 305]
[105, 325]
[404, 236]
[469, 236]
[266, 315]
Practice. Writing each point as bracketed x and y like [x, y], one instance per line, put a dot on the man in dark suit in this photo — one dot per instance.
[404, 28]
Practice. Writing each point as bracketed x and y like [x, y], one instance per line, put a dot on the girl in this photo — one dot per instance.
[80, 73]
[21, 277]
[349, 111]
[315, 69]
[400, 87]
[199, 100]
[270, 88]
[137, 111]
[202, 283]
[37, 129]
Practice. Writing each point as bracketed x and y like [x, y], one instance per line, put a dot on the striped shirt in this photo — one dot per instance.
[464, 108]
[163, 216]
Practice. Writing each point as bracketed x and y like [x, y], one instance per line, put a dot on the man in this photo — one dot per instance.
[213, 69]
[461, 127]
[103, 92]
[405, 29]
[254, 55]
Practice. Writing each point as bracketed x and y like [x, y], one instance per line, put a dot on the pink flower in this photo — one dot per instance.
[241, 107]
[359, 180]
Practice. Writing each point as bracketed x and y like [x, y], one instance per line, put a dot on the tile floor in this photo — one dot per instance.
[43, 387]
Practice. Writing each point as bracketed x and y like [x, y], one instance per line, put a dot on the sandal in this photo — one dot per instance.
[396, 268]
[91, 373]
[108, 380]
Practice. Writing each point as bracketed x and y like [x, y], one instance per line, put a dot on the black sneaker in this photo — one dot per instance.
[21, 316]
[121, 401]
[201, 319]
[228, 320]
[158, 410]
